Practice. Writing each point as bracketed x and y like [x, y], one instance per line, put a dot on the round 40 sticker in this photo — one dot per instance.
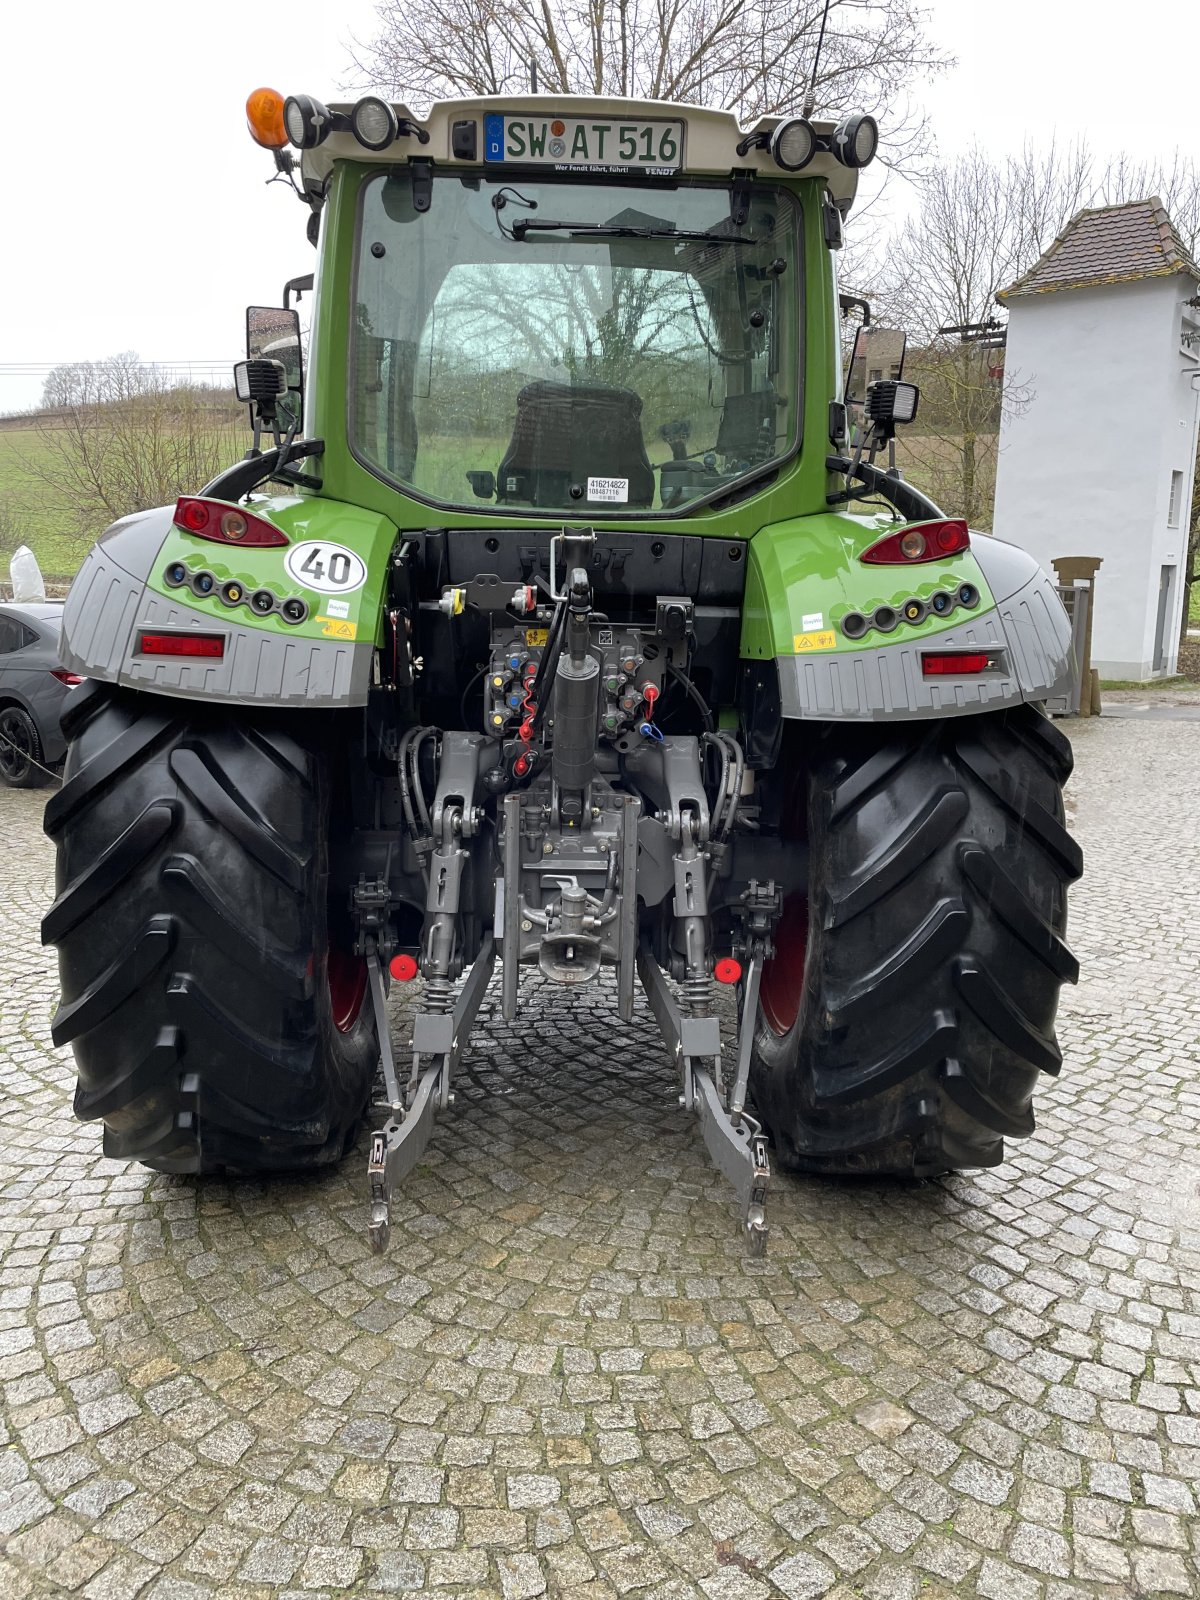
[327, 568]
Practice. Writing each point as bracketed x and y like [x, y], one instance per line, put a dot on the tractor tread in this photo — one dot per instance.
[110, 869]
[998, 893]
[924, 832]
[919, 954]
[124, 752]
[939, 862]
[931, 1043]
[190, 917]
[202, 778]
[993, 1008]
[211, 914]
[124, 976]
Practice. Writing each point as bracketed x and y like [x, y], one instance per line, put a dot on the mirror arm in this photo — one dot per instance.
[908, 501]
[238, 480]
[852, 302]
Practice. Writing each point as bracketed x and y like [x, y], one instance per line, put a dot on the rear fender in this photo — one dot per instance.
[805, 576]
[324, 661]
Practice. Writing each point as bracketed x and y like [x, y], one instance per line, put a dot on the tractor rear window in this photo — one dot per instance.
[571, 347]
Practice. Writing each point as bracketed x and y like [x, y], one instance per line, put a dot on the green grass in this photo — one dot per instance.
[57, 531]
[1194, 606]
[30, 513]
[1154, 685]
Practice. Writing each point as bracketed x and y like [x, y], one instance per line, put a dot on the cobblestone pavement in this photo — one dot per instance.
[565, 1378]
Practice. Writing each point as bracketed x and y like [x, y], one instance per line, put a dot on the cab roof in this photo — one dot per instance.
[710, 142]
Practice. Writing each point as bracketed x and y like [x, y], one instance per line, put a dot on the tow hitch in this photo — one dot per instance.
[734, 1140]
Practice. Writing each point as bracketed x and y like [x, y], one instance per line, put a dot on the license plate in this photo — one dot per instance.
[583, 142]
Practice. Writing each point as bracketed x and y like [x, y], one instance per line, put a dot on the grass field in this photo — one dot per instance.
[58, 530]
[30, 514]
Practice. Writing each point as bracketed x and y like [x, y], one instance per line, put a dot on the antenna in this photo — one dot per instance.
[811, 98]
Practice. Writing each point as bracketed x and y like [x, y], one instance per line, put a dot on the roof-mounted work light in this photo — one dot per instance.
[793, 144]
[374, 123]
[855, 140]
[307, 121]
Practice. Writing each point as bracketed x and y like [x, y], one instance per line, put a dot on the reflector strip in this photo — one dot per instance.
[182, 644]
[955, 664]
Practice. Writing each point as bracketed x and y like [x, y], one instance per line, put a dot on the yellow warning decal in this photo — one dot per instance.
[536, 636]
[824, 639]
[335, 628]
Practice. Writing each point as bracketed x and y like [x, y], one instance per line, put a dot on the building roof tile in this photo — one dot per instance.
[1110, 244]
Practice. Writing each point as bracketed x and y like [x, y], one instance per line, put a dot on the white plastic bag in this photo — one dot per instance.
[28, 585]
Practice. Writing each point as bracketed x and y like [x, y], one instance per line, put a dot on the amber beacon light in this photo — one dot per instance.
[264, 118]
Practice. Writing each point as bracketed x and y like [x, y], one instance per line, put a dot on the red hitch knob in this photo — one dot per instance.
[403, 968]
[727, 970]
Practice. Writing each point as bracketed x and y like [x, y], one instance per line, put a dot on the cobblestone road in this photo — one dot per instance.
[565, 1379]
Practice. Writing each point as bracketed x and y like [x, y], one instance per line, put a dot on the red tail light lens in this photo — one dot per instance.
[183, 644]
[69, 678]
[215, 519]
[926, 541]
[955, 664]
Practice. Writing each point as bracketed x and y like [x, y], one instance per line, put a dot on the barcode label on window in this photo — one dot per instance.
[611, 491]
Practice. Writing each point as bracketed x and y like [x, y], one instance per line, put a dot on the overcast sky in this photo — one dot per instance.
[135, 215]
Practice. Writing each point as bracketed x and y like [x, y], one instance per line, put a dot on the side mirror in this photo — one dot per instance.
[273, 334]
[877, 357]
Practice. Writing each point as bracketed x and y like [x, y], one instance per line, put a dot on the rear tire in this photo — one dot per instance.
[910, 1007]
[213, 1026]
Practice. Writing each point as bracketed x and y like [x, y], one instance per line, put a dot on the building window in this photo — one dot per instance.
[1173, 502]
[1189, 333]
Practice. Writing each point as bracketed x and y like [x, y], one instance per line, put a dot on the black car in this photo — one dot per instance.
[32, 689]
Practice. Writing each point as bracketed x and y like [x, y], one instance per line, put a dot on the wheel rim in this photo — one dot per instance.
[781, 988]
[347, 976]
[15, 745]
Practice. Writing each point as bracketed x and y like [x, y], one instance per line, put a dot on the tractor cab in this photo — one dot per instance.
[568, 307]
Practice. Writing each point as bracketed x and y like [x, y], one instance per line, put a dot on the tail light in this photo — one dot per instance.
[182, 644]
[925, 541]
[69, 678]
[955, 663]
[216, 519]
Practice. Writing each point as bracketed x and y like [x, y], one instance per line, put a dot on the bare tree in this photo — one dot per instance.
[1175, 182]
[751, 56]
[116, 437]
[981, 223]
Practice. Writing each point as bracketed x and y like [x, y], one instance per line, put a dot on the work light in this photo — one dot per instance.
[793, 144]
[307, 121]
[374, 123]
[856, 139]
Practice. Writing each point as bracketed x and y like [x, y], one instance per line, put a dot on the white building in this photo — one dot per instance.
[1098, 441]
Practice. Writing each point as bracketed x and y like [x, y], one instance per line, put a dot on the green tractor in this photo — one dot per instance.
[568, 609]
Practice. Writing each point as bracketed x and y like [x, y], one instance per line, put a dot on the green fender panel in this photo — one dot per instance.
[325, 660]
[805, 575]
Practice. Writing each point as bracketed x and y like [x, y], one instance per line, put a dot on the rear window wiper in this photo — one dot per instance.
[606, 230]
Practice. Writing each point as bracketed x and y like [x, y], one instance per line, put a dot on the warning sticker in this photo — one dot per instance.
[336, 628]
[609, 491]
[809, 621]
[536, 636]
[823, 639]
